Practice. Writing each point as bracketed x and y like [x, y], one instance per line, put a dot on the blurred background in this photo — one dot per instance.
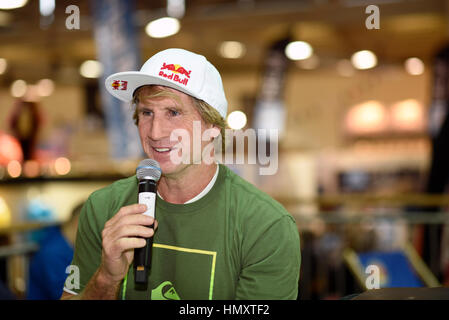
[358, 91]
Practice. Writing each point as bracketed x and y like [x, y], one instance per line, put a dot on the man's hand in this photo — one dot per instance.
[121, 235]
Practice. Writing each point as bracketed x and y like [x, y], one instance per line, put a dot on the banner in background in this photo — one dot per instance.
[117, 50]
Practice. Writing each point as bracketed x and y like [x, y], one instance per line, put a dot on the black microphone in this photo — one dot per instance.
[148, 173]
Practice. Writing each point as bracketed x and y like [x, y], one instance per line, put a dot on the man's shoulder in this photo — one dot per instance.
[103, 203]
[119, 187]
[247, 195]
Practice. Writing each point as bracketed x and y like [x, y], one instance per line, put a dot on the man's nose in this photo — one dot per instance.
[157, 131]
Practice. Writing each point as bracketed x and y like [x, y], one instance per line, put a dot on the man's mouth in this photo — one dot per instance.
[162, 149]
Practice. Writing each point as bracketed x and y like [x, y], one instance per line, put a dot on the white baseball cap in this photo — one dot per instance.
[179, 69]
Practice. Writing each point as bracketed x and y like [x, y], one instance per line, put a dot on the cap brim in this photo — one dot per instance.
[133, 80]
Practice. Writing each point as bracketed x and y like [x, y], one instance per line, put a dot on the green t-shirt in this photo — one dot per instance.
[234, 243]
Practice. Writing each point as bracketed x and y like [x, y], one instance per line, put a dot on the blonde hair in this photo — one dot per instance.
[208, 114]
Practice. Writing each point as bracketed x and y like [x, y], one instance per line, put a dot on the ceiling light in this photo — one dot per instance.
[45, 87]
[364, 59]
[408, 115]
[236, 120]
[231, 49]
[18, 88]
[163, 27]
[14, 168]
[12, 4]
[414, 66]
[298, 50]
[91, 69]
[62, 166]
[367, 117]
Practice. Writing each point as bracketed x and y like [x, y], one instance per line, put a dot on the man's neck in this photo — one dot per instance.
[180, 189]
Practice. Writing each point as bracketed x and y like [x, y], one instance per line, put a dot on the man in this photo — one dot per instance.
[216, 236]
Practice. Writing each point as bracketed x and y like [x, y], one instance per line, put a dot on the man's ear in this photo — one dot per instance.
[211, 133]
[215, 132]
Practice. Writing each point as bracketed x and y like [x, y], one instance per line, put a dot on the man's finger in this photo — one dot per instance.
[125, 211]
[131, 209]
[128, 231]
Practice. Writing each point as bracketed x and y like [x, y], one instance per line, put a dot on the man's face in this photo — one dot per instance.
[158, 118]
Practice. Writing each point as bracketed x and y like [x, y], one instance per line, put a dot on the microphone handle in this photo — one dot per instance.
[142, 262]
[142, 256]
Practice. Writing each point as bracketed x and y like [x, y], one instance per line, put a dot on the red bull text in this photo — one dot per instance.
[177, 72]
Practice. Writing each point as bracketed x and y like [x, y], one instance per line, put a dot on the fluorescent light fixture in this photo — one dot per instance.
[163, 27]
[298, 50]
[12, 4]
[364, 59]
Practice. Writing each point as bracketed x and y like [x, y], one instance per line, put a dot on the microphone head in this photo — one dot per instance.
[149, 169]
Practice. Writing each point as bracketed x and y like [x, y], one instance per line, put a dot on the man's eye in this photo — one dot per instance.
[173, 113]
[145, 113]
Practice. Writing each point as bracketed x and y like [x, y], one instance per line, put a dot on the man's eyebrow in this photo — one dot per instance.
[174, 106]
[150, 107]
[143, 107]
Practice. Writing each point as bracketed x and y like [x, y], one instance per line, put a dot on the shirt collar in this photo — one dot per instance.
[205, 190]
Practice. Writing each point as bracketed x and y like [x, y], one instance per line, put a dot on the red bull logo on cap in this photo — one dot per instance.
[119, 85]
[176, 74]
